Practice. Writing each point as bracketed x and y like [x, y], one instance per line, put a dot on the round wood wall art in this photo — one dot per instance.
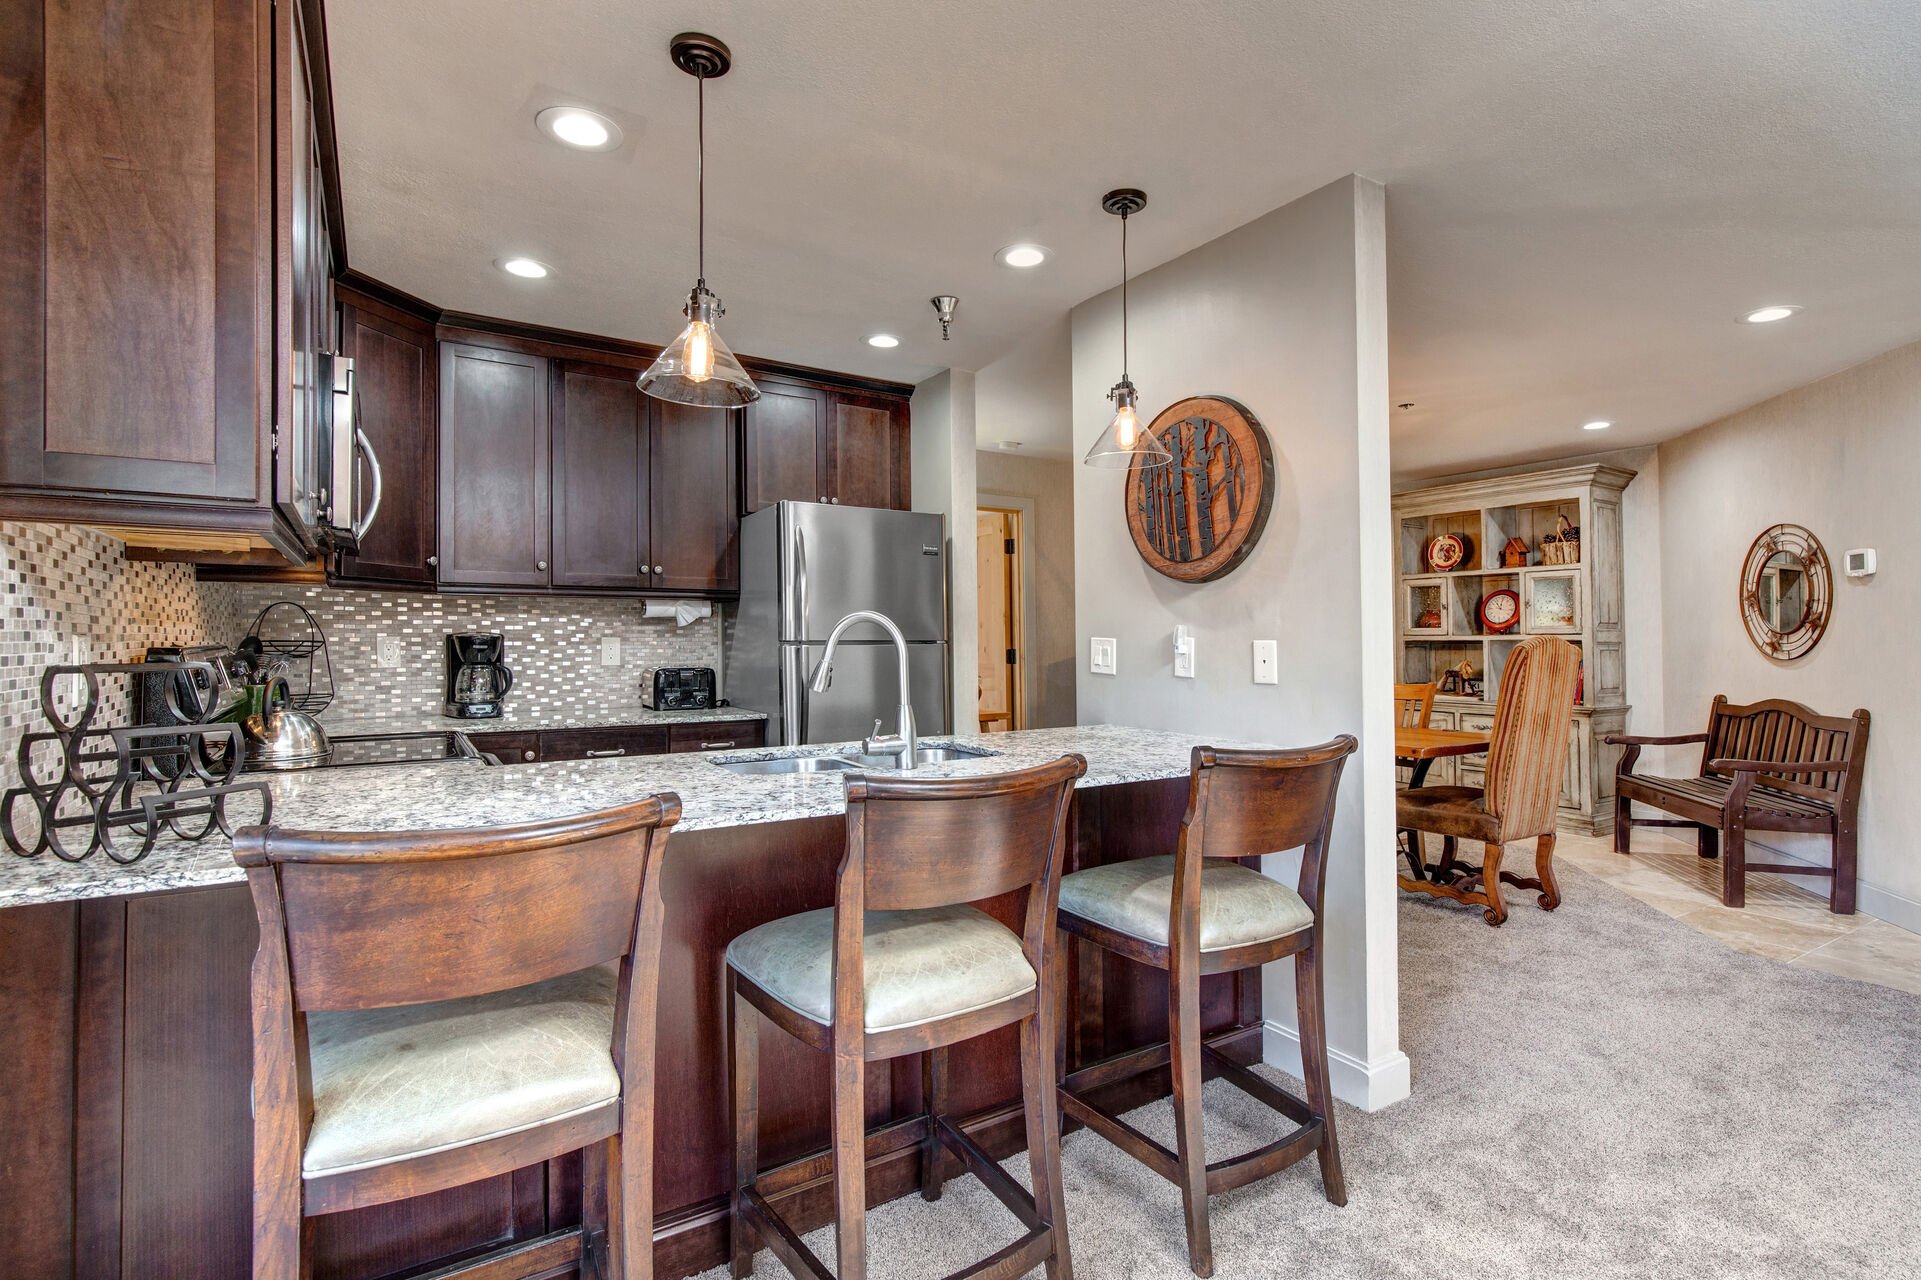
[1196, 518]
[1787, 592]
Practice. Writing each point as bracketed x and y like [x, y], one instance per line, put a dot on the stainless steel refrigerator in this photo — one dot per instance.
[803, 567]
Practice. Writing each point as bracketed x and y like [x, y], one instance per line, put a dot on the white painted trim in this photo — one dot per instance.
[1369, 1086]
[1870, 899]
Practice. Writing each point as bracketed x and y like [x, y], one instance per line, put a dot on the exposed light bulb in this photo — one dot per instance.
[700, 351]
[1127, 426]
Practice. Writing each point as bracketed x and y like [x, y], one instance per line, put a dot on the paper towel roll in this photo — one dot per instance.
[681, 611]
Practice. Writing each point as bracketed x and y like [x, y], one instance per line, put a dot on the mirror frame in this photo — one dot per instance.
[1794, 540]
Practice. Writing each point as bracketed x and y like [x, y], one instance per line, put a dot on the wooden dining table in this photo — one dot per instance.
[1422, 747]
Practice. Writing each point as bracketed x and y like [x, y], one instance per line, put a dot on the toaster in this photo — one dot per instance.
[678, 689]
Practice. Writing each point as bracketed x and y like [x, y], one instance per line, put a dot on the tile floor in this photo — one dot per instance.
[1781, 920]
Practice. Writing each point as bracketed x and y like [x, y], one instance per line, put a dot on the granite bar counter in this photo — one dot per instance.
[125, 1017]
[517, 720]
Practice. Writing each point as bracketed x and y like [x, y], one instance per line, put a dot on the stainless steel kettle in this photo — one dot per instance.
[280, 737]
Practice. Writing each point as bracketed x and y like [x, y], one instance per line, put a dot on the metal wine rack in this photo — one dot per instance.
[123, 786]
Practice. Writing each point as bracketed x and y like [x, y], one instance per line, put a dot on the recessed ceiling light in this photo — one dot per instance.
[882, 340]
[1010, 445]
[1768, 315]
[1599, 424]
[579, 128]
[525, 268]
[1021, 256]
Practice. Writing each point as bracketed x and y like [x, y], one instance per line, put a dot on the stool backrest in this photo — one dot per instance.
[1415, 702]
[370, 919]
[1527, 752]
[1243, 803]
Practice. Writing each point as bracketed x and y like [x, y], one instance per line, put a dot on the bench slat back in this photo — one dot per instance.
[1787, 732]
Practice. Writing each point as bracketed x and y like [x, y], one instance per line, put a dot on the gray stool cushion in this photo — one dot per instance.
[400, 1082]
[1238, 905]
[919, 965]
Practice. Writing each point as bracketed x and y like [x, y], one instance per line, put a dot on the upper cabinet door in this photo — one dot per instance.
[867, 452]
[494, 491]
[600, 479]
[696, 527]
[784, 446]
[136, 259]
[396, 380]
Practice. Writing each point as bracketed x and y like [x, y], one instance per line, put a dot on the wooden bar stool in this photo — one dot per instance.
[1199, 912]
[432, 1008]
[900, 964]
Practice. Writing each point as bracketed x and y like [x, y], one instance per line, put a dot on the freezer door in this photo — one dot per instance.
[836, 560]
[865, 688]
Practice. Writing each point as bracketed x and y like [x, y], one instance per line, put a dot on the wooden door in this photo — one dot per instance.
[136, 256]
[600, 497]
[396, 380]
[695, 525]
[996, 543]
[784, 445]
[494, 491]
[867, 452]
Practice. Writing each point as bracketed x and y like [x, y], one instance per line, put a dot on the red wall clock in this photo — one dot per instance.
[1500, 611]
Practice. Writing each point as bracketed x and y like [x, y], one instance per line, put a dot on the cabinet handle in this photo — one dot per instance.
[714, 746]
[835, 501]
[660, 568]
[610, 751]
[823, 497]
[541, 565]
[433, 562]
[526, 755]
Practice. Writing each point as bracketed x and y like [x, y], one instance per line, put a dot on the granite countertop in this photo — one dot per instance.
[466, 795]
[514, 720]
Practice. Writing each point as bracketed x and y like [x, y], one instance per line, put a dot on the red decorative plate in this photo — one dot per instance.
[1447, 551]
[1500, 611]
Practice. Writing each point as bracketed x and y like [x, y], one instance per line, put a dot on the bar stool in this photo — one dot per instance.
[432, 1008]
[1198, 912]
[899, 964]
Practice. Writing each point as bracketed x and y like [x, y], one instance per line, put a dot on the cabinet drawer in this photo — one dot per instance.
[508, 748]
[1476, 722]
[714, 736]
[593, 744]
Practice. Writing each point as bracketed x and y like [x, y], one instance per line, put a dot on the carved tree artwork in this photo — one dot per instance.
[1197, 518]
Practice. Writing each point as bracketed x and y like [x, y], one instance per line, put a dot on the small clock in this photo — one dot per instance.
[1448, 551]
[1500, 610]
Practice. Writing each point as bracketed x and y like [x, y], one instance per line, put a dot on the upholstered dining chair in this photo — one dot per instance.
[1525, 759]
[435, 1007]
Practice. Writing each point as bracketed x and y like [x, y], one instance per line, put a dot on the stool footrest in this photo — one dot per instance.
[992, 1176]
[778, 1236]
[1125, 1136]
[1225, 1175]
[539, 1256]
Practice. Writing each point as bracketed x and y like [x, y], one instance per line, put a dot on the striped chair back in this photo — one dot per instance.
[1528, 753]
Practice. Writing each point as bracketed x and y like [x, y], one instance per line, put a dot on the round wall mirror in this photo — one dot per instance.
[1786, 590]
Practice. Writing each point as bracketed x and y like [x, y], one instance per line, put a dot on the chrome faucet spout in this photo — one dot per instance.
[905, 741]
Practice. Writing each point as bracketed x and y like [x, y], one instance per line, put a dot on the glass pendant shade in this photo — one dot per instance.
[697, 368]
[1127, 439]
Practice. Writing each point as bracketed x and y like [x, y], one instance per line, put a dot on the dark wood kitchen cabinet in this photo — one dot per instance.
[494, 481]
[696, 531]
[867, 454]
[138, 269]
[817, 444]
[396, 385]
[600, 481]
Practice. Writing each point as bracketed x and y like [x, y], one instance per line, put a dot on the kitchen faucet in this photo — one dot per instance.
[904, 741]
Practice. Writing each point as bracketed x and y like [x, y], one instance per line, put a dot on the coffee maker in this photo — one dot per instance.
[477, 678]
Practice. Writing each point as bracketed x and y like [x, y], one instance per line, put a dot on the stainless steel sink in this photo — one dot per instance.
[788, 764]
[926, 755]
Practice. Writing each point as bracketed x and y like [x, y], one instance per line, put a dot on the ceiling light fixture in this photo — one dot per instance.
[1125, 442]
[1599, 424]
[882, 340]
[697, 368]
[1768, 315]
[579, 128]
[525, 268]
[1021, 256]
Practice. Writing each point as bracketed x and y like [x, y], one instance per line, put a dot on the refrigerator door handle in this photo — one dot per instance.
[800, 585]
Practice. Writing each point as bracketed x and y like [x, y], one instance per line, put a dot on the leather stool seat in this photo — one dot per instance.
[918, 966]
[1238, 904]
[394, 1083]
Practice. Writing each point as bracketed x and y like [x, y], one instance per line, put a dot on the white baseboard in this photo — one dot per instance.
[1868, 898]
[1369, 1086]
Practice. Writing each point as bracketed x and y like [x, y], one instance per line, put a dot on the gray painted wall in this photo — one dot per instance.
[1287, 316]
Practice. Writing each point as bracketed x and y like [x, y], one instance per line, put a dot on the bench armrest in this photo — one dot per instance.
[1640, 740]
[1775, 766]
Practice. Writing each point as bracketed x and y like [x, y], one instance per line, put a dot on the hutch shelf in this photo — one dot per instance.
[1440, 622]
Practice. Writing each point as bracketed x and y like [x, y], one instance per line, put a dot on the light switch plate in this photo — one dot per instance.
[1267, 662]
[1184, 652]
[1102, 652]
[610, 651]
[388, 652]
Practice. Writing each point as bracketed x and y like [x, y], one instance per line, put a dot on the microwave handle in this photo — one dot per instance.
[366, 522]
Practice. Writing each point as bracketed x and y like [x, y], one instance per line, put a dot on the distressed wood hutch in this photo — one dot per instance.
[1438, 615]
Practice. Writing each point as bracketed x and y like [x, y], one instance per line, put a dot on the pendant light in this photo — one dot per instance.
[697, 368]
[1127, 441]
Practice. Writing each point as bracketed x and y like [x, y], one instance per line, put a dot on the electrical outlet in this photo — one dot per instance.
[388, 652]
[81, 653]
[1102, 654]
[1184, 652]
[610, 651]
[1267, 662]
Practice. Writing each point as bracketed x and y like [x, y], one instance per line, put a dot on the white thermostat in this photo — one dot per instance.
[1860, 563]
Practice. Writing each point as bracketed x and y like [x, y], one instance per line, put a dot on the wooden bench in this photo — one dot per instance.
[1769, 766]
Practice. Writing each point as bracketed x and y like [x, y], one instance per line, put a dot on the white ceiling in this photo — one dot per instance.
[1583, 196]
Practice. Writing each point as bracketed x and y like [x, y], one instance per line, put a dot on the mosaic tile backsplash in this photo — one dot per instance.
[70, 589]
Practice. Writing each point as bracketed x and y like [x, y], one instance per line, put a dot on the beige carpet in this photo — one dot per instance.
[1598, 1092]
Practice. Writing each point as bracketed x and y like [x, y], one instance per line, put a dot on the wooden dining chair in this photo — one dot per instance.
[1201, 912]
[1525, 759]
[901, 964]
[435, 1007]
[1415, 703]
